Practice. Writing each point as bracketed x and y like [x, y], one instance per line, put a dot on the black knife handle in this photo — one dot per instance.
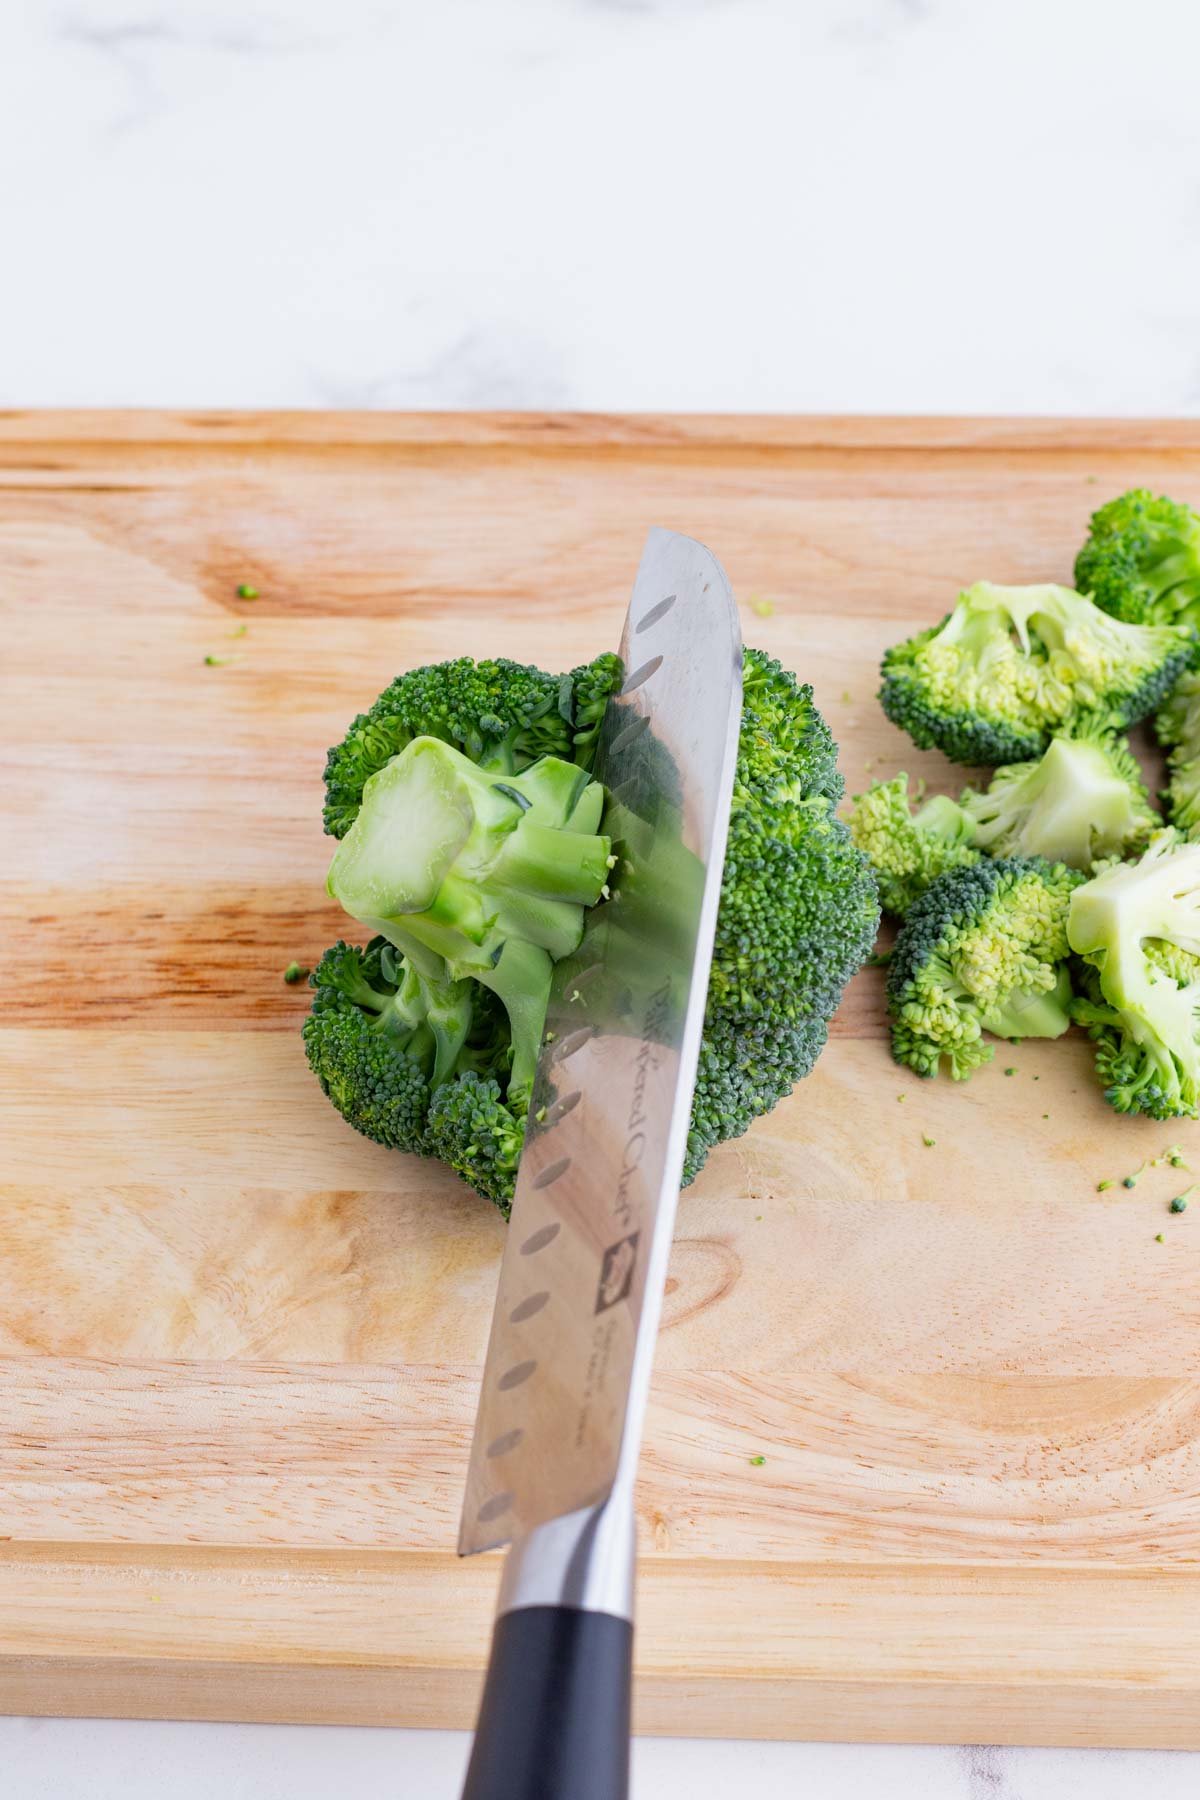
[554, 1721]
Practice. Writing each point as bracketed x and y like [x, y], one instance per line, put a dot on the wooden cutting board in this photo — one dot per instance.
[240, 1345]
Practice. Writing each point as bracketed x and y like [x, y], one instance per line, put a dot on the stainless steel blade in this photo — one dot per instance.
[581, 1281]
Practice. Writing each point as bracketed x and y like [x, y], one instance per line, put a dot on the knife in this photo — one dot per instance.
[565, 1383]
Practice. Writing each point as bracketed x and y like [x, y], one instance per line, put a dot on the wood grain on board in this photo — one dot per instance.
[239, 1346]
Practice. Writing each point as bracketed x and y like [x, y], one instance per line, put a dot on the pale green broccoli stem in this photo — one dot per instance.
[1081, 800]
[1045, 1015]
[1110, 922]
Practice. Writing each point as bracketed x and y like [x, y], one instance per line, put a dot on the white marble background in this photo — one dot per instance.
[859, 205]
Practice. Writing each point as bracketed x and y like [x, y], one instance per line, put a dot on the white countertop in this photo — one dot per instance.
[838, 205]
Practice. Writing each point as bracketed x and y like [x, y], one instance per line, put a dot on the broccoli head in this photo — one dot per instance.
[1141, 561]
[982, 950]
[1136, 927]
[1178, 728]
[1010, 666]
[908, 849]
[1084, 799]
[473, 844]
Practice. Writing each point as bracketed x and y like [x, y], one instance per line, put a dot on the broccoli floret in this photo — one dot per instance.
[476, 861]
[1010, 666]
[909, 849]
[1084, 799]
[477, 878]
[502, 715]
[784, 741]
[1137, 928]
[472, 1128]
[372, 1057]
[798, 915]
[1178, 728]
[1141, 561]
[983, 950]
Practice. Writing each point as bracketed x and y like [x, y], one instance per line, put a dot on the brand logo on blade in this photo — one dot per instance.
[616, 1273]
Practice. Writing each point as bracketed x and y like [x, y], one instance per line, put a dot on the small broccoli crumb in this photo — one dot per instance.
[902, 1096]
[1131, 1181]
[928, 1141]
[1179, 1203]
[1102, 1186]
[215, 662]
[847, 697]
[1174, 1155]
[246, 591]
[1045, 1115]
[879, 959]
[294, 973]
[764, 608]
[540, 1115]
[240, 632]
[756, 1462]
[1010, 1071]
[1159, 1238]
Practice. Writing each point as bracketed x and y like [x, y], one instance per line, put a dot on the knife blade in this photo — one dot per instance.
[585, 1259]
[566, 1378]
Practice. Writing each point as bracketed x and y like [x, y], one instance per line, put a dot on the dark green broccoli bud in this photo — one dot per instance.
[785, 746]
[1141, 561]
[798, 915]
[907, 849]
[1010, 666]
[502, 715]
[474, 1130]
[1136, 927]
[474, 877]
[583, 696]
[982, 950]
[1083, 800]
[1178, 728]
[372, 1062]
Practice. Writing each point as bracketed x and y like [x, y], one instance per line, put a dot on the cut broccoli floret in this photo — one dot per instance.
[1010, 666]
[1084, 799]
[475, 861]
[1141, 561]
[473, 877]
[1137, 928]
[909, 849]
[1178, 728]
[983, 950]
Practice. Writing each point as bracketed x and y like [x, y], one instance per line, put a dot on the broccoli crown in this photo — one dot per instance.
[1136, 927]
[798, 915]
[378, 1043]
[1012, 665]
[908, 850]
[502, 715]
[982, 950]
[1141, 561]
[473, 852]
[1178, 728]
[1084, 799]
